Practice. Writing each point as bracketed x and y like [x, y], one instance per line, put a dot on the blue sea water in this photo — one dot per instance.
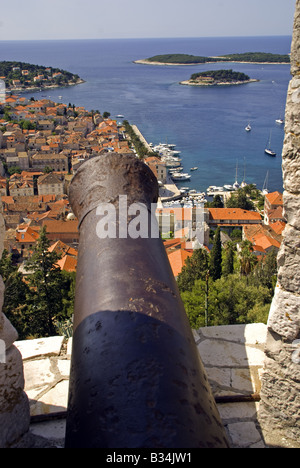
[206, 124]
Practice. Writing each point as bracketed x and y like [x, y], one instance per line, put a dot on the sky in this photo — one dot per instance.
[106, 19]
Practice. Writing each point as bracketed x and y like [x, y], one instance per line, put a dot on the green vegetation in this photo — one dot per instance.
[239, 290]
[25, 73]
[260, 57]
[139, 146]
[185, 59]
[247, 198]
[220, 76]
[42, 302]
[179, 59]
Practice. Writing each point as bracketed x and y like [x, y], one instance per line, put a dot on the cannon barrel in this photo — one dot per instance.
[136, 379]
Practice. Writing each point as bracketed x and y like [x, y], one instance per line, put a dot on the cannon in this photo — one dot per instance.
[136, 378]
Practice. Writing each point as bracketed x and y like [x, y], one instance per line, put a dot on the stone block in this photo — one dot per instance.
[284, 314]
[8, 333]
[40, 347]
[15, 422]
[243, 434]
[288, 260]
[223, 354]
[14, 404]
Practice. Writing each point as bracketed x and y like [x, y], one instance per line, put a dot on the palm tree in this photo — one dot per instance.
[247, 259]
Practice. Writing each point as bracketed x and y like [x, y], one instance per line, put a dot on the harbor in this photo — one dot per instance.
[171, 194]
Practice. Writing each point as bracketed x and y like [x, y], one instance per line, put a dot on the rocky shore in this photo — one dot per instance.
[26, 89]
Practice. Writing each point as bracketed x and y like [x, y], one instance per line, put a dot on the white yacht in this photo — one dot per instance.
[180, 176]
[268, 149]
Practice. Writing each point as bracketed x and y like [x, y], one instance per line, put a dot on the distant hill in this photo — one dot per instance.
[22, 76]
[185, 59]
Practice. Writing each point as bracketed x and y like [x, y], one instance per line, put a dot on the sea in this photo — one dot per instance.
[207, 125]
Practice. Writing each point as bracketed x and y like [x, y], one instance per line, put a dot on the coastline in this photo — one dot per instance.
[225, 83]
[42, 88]
[146, 62]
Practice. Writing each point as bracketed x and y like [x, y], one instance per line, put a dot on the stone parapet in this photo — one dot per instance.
[280, 393]
[14, 405]
[233, 359]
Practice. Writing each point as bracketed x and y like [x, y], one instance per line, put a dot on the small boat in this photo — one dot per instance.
[268, 149]
[182, 176]
[279, 121]
[270, 152]
[194, 168]
[120, 116]
[248, 128]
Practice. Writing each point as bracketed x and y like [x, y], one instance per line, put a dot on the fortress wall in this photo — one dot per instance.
[280, 395]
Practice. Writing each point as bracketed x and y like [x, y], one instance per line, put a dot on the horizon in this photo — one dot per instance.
[145, 38]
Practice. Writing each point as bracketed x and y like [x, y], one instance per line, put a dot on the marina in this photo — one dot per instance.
[183, 196]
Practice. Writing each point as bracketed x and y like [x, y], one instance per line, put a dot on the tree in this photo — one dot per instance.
[195, 268]
[228, 265]
[247, 259]
[266, 271]
[232, 300]
[216, 203]
[15, 294]
[240, 200]
[45, 283]
[215, 263]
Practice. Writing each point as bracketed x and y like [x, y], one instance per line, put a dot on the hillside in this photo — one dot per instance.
[22, 76]
[185, 59]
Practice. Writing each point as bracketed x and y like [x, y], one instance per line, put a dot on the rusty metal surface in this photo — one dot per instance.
[136, 379]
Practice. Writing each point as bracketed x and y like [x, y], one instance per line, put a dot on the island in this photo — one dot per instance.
[21, 76]
[185, 59]
[218, 78]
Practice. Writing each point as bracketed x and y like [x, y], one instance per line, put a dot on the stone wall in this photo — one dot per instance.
[280, 393]
[14, 404]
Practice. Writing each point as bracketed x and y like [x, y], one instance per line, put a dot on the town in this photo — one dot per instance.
[43, 143]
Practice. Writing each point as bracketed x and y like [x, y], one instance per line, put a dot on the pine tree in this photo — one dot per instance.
[45, 284]
[228, 265]
[15, 293]
[195, 268]
[215, 263]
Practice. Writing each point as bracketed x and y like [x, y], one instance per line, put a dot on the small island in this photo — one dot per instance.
[21, 76]
[218, 78]
[185, 59]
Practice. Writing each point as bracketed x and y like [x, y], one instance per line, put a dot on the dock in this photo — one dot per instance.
[142, 138]
[168, 191]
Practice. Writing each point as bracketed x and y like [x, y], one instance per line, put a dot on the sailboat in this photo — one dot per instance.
[268, 148]
[265, 190]
[243, 184]
[280, 121]
[248, 128]
[236, 185]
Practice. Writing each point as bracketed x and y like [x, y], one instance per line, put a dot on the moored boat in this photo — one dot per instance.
[180, 176]
[268, 149]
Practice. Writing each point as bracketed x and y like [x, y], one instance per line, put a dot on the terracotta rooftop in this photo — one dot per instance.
[275, 198]
[233, 214]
